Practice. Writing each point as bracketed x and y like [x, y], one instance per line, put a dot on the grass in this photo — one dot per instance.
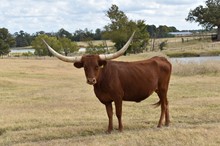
[193, 68]
[47, 102]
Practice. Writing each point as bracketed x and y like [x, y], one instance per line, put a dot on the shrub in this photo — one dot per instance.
[162, 45]
[28, 54]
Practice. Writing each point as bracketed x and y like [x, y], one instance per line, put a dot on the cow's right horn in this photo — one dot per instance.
[62, 57]
[118, 53]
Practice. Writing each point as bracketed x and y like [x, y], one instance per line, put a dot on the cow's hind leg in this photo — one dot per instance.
[164, 108]
[118, 108]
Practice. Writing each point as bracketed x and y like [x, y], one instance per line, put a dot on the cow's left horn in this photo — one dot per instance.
[118, 53]
[62, 57]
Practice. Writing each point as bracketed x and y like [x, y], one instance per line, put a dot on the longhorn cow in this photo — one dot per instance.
[117, 81]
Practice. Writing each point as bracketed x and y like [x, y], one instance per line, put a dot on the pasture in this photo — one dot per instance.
[47, 102]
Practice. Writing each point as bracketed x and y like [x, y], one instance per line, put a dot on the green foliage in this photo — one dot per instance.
[67, 45]
[63, 33]
[207, 16]
[121, 29]
[84, 35]
[28, 54]
[118, 19]
[40, 47]
[61, 45]
[23, 39]
[161, 31]
[6, 41]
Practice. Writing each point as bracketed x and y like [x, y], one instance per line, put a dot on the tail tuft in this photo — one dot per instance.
[157, 104]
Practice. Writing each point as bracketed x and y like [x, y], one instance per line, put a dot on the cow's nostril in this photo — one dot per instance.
[94, 80]
[91, 81]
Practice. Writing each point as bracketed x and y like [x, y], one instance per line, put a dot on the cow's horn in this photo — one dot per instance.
[118, 53]
[62, 57]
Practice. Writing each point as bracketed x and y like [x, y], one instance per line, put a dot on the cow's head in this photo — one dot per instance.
[91, 63]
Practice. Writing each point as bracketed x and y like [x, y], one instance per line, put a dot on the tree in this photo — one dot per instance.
[64, 33]
[162, 31]
[118, 18]
[6, 41]
[142, 37]
[39, 33]
[173, 29]
[23, 39]
[207, 16]
[41, 48]
[82, 35]
[98, 34]
[61, 45]
[67, 46]
[121, 29]
[152, 29]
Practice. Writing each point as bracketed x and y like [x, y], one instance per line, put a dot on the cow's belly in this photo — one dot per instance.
[136, 98]
[128, 93]
[138, 94]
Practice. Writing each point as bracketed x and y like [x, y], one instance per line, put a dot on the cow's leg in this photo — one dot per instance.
[167, 115]
[118, 108]
[164, 108]
[110, 114]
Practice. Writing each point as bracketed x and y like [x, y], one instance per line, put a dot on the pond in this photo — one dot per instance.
[178, 59]
[195, 59]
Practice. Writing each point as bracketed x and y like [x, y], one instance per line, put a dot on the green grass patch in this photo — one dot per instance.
[182, 54]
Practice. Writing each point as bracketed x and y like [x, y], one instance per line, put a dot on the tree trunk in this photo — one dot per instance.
[218, 33]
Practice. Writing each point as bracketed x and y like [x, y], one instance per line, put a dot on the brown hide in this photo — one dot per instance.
[130, 81]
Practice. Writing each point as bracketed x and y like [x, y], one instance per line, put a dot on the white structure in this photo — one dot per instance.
[185, 33]
[82, 50]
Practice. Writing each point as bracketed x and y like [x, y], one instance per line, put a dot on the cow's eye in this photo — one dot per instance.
[96, 67]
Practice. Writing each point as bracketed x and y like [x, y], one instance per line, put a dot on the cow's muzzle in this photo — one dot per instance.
[91, 81]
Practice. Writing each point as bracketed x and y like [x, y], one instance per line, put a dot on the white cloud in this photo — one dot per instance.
[51, 15]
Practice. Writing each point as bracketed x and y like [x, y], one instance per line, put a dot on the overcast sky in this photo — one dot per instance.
[51, 15]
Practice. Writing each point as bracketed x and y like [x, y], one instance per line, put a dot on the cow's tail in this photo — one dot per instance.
[157, 104]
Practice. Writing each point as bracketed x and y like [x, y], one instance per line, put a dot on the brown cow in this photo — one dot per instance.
[129, 81]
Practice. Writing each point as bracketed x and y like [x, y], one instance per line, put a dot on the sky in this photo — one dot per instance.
[51, 15]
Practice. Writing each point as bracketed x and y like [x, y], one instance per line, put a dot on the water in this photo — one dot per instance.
[22, 50]
[195, 59]
[178, 60]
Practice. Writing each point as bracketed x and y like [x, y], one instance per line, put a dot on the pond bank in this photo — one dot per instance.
[197, 53]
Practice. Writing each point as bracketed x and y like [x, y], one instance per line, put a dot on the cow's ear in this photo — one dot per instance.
[78, 64]
[102, 62]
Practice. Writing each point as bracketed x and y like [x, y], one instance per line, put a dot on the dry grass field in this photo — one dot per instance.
[47, 102]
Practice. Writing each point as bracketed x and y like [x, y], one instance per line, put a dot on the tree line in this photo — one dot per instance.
[24, 39]
[119, 30]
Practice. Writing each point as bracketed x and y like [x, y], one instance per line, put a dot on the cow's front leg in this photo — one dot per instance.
[110, 114]
[118, 107]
